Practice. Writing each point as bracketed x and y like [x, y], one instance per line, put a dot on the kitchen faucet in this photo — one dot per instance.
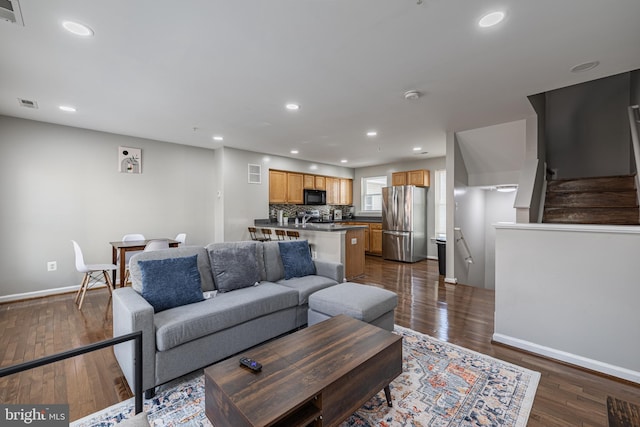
[305, 218]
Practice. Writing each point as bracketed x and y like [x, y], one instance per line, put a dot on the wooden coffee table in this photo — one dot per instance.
[320, 375]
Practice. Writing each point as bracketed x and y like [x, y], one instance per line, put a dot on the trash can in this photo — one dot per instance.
[442, 254]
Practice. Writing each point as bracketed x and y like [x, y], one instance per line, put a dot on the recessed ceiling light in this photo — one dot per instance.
[343, 161]
[412, 95]
[372, 133]
[417, 148]
[491, 19]
[585, 66]
[294, 151]
[77, 28]
[67, 108]
[293, 107]
[218, 138]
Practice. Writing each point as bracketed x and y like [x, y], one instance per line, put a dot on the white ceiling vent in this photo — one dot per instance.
[27, 102]
[10, 11]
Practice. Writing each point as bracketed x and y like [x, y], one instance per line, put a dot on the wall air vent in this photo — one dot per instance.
[10, 12]
[255, 174]
[27, 102]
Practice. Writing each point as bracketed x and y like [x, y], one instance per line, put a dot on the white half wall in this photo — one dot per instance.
[571, 292]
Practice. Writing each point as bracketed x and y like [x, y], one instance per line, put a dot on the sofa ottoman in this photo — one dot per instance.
[367, 303]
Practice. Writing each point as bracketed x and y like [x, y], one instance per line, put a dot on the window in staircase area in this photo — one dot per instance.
[372, 193]
[441, 202]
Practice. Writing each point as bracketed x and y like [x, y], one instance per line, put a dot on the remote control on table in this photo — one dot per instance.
[251, 364]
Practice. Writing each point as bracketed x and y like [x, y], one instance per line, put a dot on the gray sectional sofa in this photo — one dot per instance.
[181, 339]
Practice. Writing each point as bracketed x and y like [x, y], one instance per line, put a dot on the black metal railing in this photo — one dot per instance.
[137, 336]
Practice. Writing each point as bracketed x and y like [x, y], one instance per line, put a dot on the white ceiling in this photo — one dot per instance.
[160, 69]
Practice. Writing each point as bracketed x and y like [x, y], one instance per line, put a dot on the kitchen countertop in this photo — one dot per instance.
[372, 219]
[312, 226]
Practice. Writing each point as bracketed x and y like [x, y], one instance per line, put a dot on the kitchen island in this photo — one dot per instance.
[329, 241]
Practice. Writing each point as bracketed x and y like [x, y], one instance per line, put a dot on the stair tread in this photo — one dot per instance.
[612, 199]
[593, 184]
[597, 215]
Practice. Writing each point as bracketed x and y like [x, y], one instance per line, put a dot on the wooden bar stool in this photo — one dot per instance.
[293, 234]
[267, 234]
[280, 234]
[254, 236]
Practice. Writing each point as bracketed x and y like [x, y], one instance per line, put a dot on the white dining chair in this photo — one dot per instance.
[91, 274]
[129, 238]
[182, 238]
[156, 245]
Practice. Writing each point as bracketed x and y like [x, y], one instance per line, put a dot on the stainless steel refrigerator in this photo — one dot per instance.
[404, 223]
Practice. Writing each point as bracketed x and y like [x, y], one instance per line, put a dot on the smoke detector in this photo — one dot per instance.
[412, 95]
[10, 12]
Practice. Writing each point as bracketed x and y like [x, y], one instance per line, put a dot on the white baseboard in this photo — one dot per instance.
[574, 359]
[45, 293]
[450, 280]
[435, 258]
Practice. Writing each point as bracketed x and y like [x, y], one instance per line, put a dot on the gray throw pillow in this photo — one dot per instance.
[234, 266]
[296, 259]
[171, 282]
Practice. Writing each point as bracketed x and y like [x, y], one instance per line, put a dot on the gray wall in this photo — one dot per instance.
[587, 128]
[60, 183]
[432, 165]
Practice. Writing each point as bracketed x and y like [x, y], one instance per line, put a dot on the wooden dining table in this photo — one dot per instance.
[134, 245]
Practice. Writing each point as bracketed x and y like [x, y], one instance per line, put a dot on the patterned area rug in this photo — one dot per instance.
[442, 385]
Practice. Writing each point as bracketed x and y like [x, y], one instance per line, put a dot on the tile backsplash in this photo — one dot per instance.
[292, 210]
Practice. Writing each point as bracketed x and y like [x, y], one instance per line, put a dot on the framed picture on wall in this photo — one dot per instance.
[129, 160]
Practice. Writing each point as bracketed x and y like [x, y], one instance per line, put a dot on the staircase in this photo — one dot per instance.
[601, 200]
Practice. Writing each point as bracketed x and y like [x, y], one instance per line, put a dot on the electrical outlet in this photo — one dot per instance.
[52, 266]
[354, 241]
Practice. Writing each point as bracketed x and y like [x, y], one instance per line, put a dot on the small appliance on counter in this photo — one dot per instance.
[313, 214]
[337, 214]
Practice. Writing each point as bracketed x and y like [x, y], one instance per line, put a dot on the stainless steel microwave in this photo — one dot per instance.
[315, 197]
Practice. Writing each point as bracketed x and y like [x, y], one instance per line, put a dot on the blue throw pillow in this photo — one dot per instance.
[296, 259]
[171, 282]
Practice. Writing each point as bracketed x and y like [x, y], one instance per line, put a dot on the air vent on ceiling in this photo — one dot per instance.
[27, 103]
[10, 11]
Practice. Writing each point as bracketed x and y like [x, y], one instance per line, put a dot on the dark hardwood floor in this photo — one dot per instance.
[459, 314]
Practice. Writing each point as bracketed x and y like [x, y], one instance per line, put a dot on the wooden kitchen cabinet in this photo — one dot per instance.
[399, 178]
[309, 182]
[277, 187]
[333, 191]
[419, 178]
[285, 187]
[375, 239]
[315, 182]
[354, 253]
[320, 182]
[346, 191]
[295, 183]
